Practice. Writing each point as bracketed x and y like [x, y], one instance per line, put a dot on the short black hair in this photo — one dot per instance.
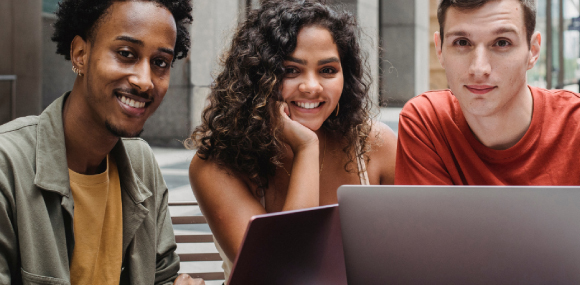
[81, 17]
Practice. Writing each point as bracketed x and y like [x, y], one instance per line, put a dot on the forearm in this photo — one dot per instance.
[303, 189]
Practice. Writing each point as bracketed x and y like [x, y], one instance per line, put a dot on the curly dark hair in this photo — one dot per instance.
[81, 17]
[241, 127]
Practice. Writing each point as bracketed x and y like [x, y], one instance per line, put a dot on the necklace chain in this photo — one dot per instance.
[321, 163]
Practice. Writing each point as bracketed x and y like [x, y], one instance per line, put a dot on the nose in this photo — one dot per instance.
[141, 77]
[310, 85]
[480, 65]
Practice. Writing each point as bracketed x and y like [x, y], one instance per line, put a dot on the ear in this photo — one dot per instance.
[78, 53]
[438, 48]
[535, 43]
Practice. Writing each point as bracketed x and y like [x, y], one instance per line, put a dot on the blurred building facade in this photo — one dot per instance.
[397, 38]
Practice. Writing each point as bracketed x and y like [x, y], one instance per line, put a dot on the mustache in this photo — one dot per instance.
[133, 91]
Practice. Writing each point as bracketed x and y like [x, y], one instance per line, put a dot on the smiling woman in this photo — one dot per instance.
[288, 120]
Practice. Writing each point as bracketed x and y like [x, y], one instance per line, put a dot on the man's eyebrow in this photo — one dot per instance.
[297, 60]
[130, 39]
[140, 43]
[167, 50]
[456, 34]
[328, 60]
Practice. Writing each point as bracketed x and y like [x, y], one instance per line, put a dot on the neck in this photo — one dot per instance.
[504, 129]
[87, 141]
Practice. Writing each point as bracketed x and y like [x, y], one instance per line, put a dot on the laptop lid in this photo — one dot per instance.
[293, 247]
[460, 234]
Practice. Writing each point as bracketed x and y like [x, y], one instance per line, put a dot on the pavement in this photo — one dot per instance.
[174, 164]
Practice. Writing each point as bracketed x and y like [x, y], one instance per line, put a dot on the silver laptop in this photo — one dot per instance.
[460, 234]
[293, 247]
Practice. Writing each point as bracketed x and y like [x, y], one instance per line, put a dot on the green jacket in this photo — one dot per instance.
[36, 206]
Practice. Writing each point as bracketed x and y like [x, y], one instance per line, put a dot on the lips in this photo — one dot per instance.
[131, 104]
[480, 89]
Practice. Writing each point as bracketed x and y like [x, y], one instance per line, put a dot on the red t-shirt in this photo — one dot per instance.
[437, 147]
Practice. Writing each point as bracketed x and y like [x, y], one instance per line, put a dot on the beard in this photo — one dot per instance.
[118, 132]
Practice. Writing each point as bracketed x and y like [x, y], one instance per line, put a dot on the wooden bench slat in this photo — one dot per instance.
[193, 238]
[199, 257]
[188, 238]
[181, 220]
[208, 275]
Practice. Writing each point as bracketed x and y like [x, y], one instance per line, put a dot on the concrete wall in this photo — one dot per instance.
[405, 50]
[170, 124]
[57, 76]
[20, 54]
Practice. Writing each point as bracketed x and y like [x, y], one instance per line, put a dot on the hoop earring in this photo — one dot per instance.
[76, 70]
[337, 108]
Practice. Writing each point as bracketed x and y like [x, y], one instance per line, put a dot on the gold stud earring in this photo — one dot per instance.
[337, 108]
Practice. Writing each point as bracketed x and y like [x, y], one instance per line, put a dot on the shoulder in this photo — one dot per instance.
[383, 150]
[17, 137]
[137, 149]
[557, 97]
[206, 170]
[19, 127]
[430, 102]
[381, 133]
[141, 158]
[431, 110]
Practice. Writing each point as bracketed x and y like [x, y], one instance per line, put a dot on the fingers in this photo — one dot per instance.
[185, 279]
[284, 109]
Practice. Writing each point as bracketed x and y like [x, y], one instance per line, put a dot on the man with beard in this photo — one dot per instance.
[82, 201]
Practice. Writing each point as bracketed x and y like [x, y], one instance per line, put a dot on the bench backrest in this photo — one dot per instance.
[195, 238]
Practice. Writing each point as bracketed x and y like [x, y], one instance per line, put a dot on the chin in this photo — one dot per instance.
[121, 132]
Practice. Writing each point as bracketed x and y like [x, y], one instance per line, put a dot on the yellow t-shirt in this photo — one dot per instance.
[98, 227]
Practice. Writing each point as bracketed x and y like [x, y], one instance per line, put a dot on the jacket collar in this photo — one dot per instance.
[52, 166]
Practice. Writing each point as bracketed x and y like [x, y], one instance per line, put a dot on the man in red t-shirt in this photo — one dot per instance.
[490, 128]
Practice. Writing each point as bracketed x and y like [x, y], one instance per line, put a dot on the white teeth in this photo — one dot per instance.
[132, 103]
[308, 105]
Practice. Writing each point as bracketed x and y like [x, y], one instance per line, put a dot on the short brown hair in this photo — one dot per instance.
[529, 7]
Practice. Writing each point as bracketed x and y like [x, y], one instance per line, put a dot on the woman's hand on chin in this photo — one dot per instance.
[296, 135]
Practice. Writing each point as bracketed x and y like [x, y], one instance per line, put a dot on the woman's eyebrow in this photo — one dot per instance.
[328, 60]
[297, 60]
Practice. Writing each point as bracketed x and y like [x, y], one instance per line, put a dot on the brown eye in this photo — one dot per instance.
[160, 63]
[328, 70]
[290, 70]
[126, 54]
[502, 43]
[462, 43]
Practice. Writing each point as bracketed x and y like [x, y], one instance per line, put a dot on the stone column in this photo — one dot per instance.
[368, 19]
[20, 54]
[366, 12]
[405, 55]
[211, 33]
